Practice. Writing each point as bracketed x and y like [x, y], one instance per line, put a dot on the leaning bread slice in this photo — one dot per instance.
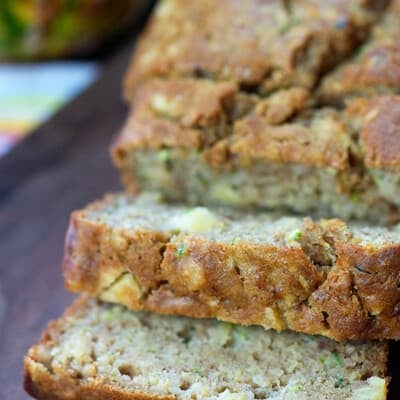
[101, 351]
[324, 277]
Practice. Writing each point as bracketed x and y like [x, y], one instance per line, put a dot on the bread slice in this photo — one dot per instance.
[323, 277]
[101, 351]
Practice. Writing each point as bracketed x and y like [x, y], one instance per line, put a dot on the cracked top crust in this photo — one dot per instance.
[250, 89]
[194, 103]
[322, 142]
[269, 44]
[380, 130]
[375, 69]
[182, 112]
[229, 125]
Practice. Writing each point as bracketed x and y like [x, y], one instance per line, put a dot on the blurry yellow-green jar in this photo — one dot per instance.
[54, 28]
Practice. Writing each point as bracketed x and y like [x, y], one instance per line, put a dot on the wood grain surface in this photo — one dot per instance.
[61, 167]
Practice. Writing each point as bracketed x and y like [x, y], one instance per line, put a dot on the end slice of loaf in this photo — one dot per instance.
[318, 277]
[102, 351]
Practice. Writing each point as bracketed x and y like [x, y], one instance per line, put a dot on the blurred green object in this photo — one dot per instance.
[57, 28]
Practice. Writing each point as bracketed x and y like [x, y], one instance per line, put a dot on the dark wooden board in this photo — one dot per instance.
[61, 167]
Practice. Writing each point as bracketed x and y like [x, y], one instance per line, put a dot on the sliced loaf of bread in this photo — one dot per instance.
[101, 351]
[226, 106]
[324, 277]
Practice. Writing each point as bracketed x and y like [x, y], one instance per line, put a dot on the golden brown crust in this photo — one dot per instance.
[359, 295]
[283, 105]
[264, 43]
[376, 69]
[187, 113]
[353, 296]
[142, 250]
[173, 44]
[192, 102]
[43, 385]
[380, 130]
[249, 278]
[198, 114]
[208, 113]
[147, 132]
[255, 139]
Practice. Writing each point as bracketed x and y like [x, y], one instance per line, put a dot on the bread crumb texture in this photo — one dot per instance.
[139, 354]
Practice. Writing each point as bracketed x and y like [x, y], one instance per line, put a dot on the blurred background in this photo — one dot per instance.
[51, 50]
